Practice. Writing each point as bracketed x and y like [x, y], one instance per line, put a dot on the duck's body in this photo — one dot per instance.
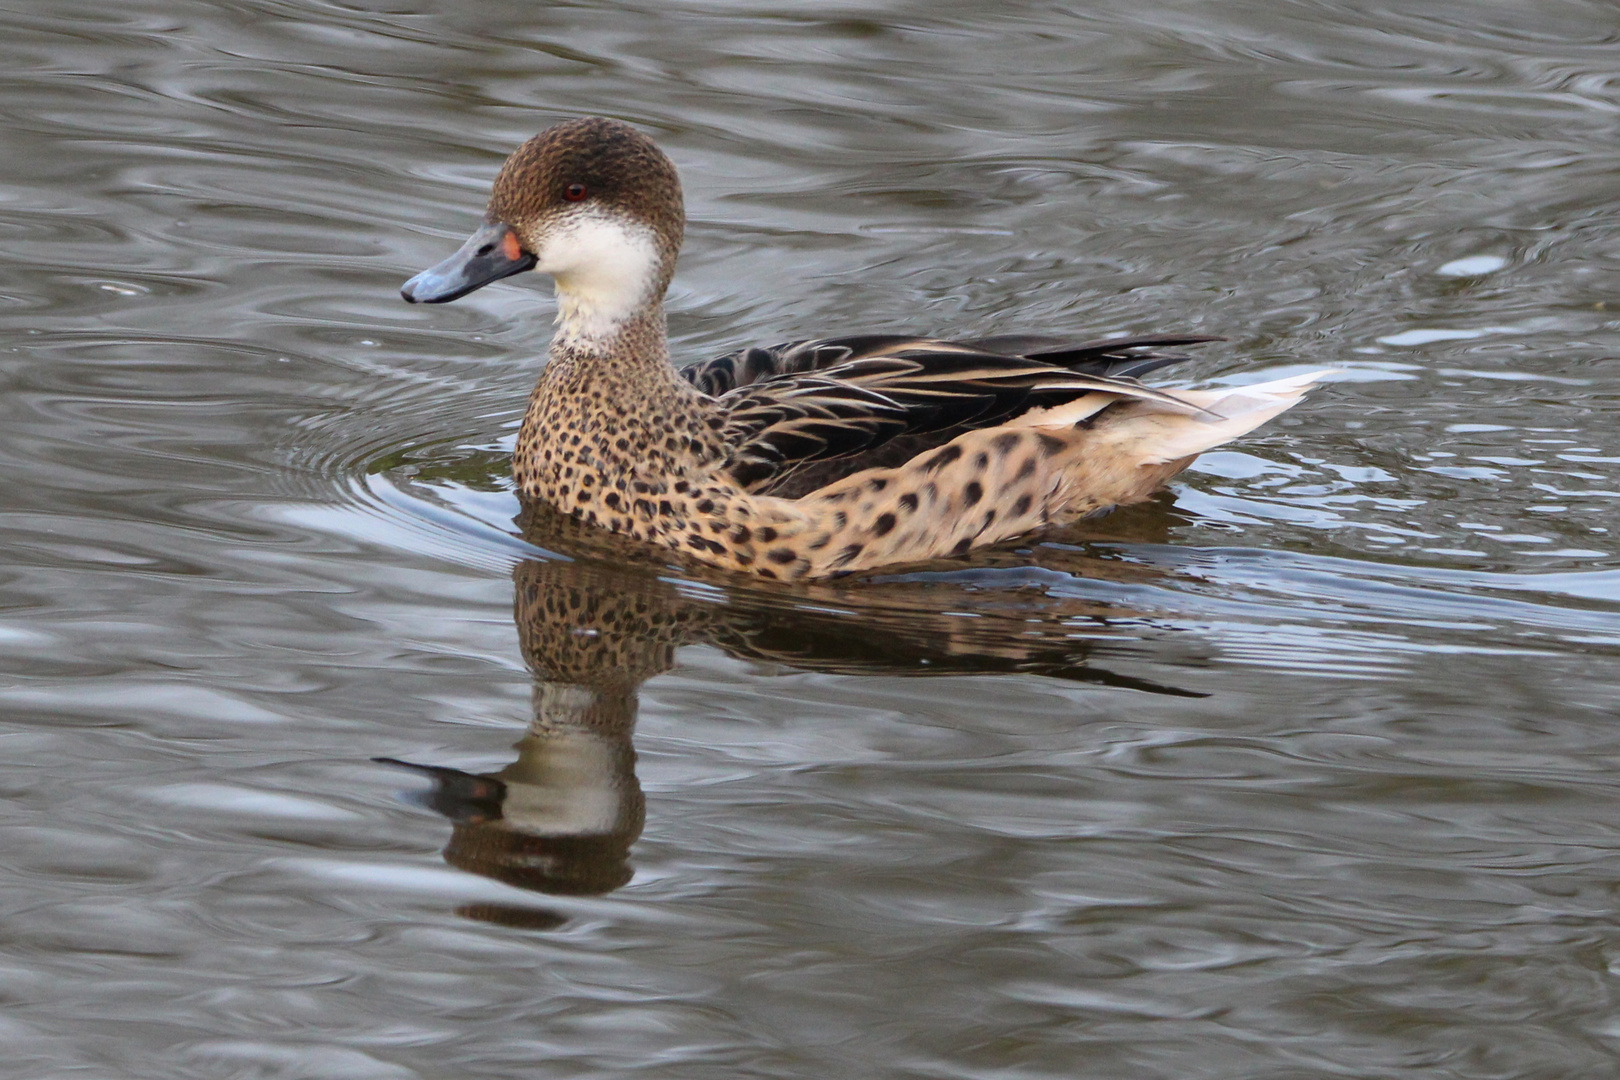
[814, 458]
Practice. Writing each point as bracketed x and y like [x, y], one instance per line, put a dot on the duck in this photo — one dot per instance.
[809, 459]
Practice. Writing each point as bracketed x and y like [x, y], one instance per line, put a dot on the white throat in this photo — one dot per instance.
[606, 268]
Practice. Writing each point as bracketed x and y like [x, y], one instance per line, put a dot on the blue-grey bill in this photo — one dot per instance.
[481, 260]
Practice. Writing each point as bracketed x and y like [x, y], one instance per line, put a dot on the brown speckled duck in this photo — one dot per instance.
[813, 458]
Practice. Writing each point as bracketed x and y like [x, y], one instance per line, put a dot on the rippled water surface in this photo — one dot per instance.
[1306, 769]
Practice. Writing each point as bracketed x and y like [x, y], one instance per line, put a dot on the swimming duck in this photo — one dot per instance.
[813, 458]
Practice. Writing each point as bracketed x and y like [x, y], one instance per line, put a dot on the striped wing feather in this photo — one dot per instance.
[779, 422]
[1131, 357]
[843, 399]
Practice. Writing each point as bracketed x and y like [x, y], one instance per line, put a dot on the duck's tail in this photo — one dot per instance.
[1130, 450]
[1220, 416]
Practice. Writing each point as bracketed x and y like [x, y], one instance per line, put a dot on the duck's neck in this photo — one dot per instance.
[605, 320]
[626, 347]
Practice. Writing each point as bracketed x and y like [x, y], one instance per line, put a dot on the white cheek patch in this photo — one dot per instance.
[605, 267]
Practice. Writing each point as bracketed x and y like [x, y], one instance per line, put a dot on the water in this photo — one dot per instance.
[1307, 769]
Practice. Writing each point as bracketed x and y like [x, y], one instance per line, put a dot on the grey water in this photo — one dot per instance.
[1309, 768]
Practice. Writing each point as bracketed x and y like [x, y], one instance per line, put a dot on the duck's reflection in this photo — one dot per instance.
[562, 817]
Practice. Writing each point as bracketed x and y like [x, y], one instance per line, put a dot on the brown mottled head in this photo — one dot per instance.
[592, 165]
[592, 202]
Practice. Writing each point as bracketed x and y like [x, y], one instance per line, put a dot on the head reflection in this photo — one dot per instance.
[562, 817]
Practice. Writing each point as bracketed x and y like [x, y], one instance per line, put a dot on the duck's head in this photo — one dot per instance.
[591, 202]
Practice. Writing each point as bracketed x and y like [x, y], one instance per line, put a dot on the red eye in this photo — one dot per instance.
[575, 192]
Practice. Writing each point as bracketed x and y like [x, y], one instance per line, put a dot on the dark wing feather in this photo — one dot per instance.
[1113, 356]
[744, 367]
[774, 424]
[1129, 357]
[812, 401]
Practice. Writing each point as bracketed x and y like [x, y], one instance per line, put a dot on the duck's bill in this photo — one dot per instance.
[491, 253]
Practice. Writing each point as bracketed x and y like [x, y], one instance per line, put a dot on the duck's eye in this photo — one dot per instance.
[575, 192]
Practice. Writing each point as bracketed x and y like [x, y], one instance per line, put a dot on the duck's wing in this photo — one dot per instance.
[1125, 357]
[795, 407]
[723, 374]
[1131, 357]
[773, 425]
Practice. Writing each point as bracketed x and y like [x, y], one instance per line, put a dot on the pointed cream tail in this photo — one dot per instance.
[1228, 413]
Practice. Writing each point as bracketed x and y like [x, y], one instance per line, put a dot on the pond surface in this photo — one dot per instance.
[1309, 768]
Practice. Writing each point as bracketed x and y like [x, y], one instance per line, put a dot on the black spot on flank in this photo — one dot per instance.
[766, 572]
[908, 501]
[962, 545]
[821, 541]
[989, 519]
[741, 534]
[848, 554]
[840, 519]
[1051, 444]
[877, 483]
[1026, 470]
[781, 556]
[981, 461]
[943, 458]
[767, 534]
[1004, 442]
[665, 508]
[1021, 505]
[972, 493]
[883, 525]
[705, 506]
[612, 499]
[681, 487]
